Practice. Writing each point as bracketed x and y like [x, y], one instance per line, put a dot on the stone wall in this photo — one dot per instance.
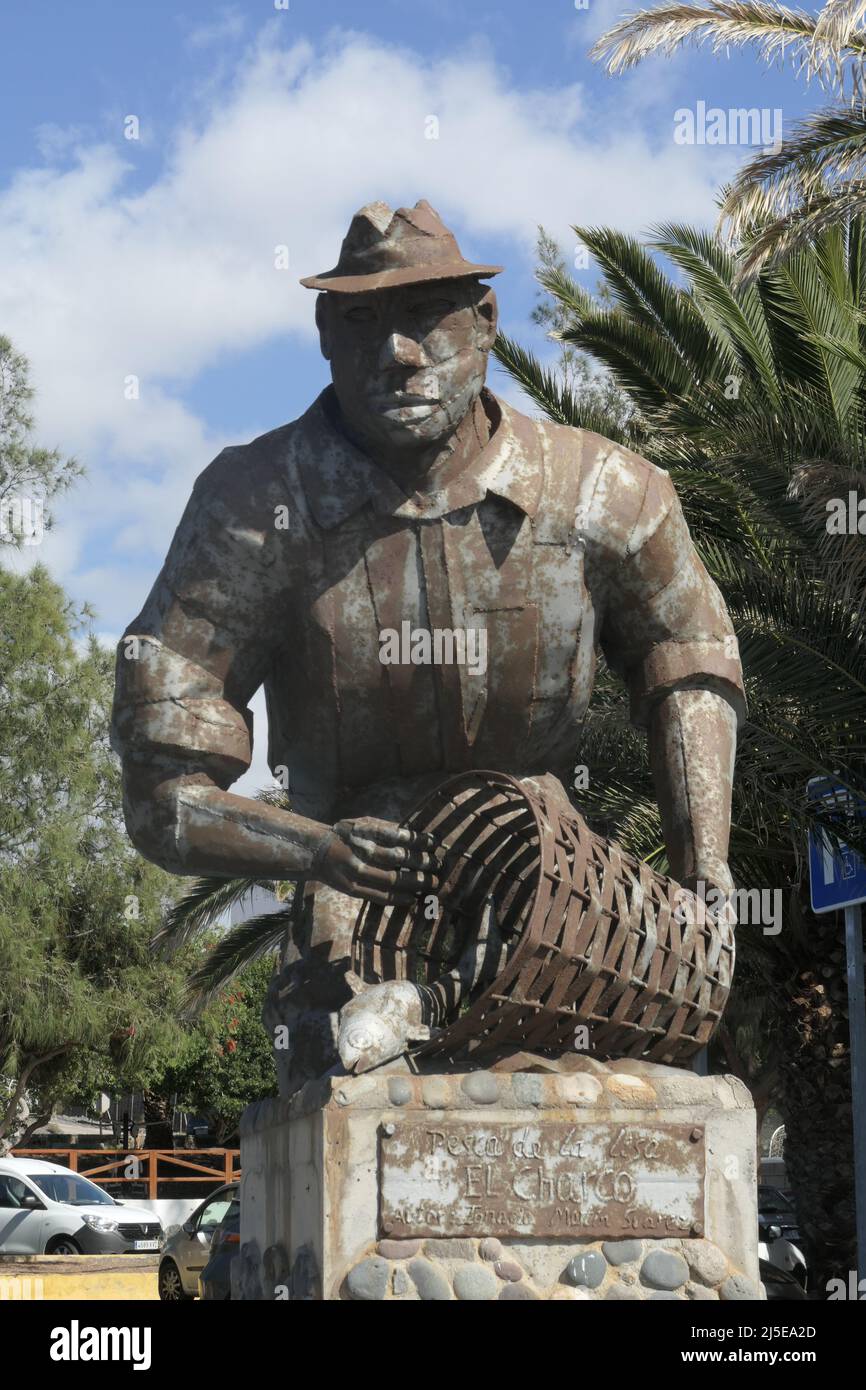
[508, 1271]
[342, 1200]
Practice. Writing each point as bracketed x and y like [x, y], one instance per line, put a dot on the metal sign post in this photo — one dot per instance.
[837, 878]
[857, 1026]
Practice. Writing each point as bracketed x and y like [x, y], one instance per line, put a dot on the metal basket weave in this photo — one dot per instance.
[593, 935]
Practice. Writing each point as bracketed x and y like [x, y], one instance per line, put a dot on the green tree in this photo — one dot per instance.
[752, 397]
[30, 476]
[78, 906]
[227, 1061]
[577, 374]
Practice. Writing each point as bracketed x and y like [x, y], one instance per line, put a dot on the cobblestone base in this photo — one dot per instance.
[491, 1270]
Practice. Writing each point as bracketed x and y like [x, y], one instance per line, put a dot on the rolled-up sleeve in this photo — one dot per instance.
[667, 626]
[167, 704]
[189, 663]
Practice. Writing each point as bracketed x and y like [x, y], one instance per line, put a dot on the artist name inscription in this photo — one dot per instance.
[547, 1179]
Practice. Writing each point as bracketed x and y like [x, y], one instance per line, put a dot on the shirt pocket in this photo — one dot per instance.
[500, 720]
[567, 643]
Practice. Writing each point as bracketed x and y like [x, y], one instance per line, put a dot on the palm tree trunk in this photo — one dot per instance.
[158, 1132]
[815, 1102]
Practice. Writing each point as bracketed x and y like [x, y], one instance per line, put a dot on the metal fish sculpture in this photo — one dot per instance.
[386, 1019]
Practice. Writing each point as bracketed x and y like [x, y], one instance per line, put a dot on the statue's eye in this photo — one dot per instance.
[431, 310]
[360, 314]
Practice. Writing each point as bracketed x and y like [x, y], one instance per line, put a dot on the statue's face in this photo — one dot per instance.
[408, 364]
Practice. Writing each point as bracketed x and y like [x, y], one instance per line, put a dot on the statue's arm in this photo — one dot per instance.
[670, 635]
[187, 668]
[179, 816]
[693, 740]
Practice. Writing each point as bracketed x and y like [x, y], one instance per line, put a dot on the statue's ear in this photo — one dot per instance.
[488, 320]
[323, 325]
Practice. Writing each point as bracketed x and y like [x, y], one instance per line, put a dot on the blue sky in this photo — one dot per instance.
[154, 257]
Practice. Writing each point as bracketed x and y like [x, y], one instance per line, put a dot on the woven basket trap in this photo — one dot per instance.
[592, 933]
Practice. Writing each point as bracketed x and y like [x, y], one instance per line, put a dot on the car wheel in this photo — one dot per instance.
[62, 1245]
[171, 1289]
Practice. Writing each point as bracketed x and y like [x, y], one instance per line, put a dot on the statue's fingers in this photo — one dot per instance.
[400, 885]
[385, 832]
[394, 856]
[371, 895]
[415, 882]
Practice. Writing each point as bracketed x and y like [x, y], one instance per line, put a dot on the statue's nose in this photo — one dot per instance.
[400, 351]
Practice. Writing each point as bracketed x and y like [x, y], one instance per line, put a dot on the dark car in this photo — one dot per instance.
[780, 1285]
[776, 1208]
[215, 1279]
[187, 1250]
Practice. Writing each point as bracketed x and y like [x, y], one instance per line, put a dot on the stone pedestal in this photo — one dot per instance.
[622, 1180]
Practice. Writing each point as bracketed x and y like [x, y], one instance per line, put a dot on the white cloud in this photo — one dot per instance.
[104, 278]
[55, 142]
[591, 21]
[228, 25]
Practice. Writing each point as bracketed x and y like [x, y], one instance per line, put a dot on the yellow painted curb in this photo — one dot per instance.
[84, 1278]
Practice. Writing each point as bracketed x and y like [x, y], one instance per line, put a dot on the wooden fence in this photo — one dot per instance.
[154, 1167]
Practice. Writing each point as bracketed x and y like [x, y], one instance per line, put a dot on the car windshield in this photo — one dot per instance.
[71, 1189]
[213, 1213]
[770, 1199]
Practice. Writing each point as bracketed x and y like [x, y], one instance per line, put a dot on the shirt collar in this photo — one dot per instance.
[339, 479]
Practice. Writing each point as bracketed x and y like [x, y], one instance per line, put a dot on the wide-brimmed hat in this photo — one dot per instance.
[383, 249]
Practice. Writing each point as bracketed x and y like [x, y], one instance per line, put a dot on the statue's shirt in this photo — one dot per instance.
[297, 556]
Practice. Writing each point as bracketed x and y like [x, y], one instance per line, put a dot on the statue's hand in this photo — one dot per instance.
[713, 887]
[377, 860]
[713, 874]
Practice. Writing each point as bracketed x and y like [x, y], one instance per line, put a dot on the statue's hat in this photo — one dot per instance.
[383, 249]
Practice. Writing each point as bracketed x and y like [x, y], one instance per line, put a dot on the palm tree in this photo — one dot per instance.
[780, 199]
[744, 1046]
[752, 396]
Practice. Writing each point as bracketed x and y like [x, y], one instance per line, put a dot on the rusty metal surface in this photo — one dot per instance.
[549, 1179]
[530, 543]
[409, 498]
[383, 249]
[594, 935]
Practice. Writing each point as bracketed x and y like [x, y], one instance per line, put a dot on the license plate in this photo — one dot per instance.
[145, 1245]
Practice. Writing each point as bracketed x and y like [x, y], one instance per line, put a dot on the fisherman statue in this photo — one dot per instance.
[409, 512]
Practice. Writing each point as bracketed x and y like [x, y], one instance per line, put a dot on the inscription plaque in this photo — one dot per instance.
[549, 1179]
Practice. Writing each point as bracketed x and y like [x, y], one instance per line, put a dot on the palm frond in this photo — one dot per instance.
[647, 296]
[236, 949]
[775, 31]
[555, 400]
[200, 907]
[838, 31]
[779, 238]
[829, 144]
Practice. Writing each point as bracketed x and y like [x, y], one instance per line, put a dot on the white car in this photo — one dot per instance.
[46, 1209]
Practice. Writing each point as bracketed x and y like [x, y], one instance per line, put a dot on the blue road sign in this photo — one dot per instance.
[837, 874]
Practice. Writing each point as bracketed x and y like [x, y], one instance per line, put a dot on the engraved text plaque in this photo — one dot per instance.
[608, 1179]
